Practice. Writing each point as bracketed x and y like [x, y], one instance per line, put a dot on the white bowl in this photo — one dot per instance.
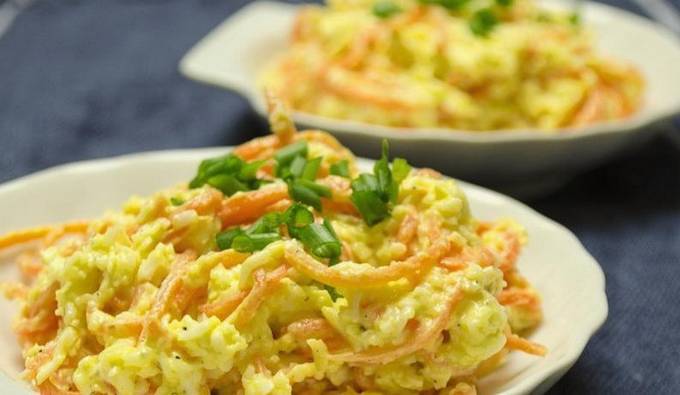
[518, 161]
[568, 278]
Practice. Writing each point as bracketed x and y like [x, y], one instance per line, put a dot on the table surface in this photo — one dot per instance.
[89, 79]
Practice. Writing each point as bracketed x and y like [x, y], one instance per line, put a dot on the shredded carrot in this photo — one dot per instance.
[225, 306]
[26, 235]
[259, 148]
[408, 229]
[207, 202]
[249, 206]
[421, 340]
[373, 277]
[170, 287]
[510, 255]
[518, 296]
[308, 328]
[265, 285]
[280, 121]
[515, 342]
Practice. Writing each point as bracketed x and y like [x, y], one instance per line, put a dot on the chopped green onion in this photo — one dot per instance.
[448, 4]
[285, 155]
[303, 194]
[226, 238]
[268, 223]
[385, 9]
[320, 241]
[297, 166]
[400, 169]
[372, 194]
[371, 207]
[176, 201]
[483, 22]
[334, 294]
[255, 242]
[308, 192]
[311, 169]
[249, 170]
[296, 218]
[340, 168]
[575, 18]
[226, 183]
[504, 3]
[228, 173]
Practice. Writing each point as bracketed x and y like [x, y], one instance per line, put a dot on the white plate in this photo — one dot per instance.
[520, 161]
[569, 279]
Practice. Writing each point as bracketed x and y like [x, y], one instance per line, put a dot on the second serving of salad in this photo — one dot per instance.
[280, 268]
[464, 64]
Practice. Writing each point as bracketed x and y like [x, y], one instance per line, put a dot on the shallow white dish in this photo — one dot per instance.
[519, 161]
[569, 279]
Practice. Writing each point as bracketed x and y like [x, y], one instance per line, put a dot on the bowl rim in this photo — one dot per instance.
[635, 123]
[590, 324]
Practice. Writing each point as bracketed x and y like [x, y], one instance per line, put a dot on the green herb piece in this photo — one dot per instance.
[385, 9]
[504, 3]
[296, 218]
[483, 22]
[254, 242]
[176, 201]
[340, 168]
[400, 169]
[320, 241]
[371, 207]
[311, 169]
[285, 155]
[227, 183]
[297, 166]
[372, 194]
[228, 173]
[575, 18]
[308, 192]
[334, 294]
[448, 4]
[268, 223]
[226, 238]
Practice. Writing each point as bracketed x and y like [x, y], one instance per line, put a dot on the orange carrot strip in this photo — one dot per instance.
[225, 306]
[26, 235]
[265, 285]
[423, 339]
[309, 328]
[170, 287]
[408, 229]
[515, 342]
[414, 265]
[249, 206]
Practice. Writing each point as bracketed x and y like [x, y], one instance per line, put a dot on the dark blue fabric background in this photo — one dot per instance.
[87, 79]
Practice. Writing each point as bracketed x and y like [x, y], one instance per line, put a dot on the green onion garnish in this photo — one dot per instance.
[372, 194]
[228, 173]
[226, 238]
[285, 155]
[340, 168]
[385, 9]
[176, 201]
[448, 4]
[255, 242]
[311, 169]
[483, 22]
[334, 294]
[504, 3]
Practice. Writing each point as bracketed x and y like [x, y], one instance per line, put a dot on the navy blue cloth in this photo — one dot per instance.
[87, 79]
